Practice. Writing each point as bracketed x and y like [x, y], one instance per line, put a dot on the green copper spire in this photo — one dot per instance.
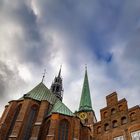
[85, 102]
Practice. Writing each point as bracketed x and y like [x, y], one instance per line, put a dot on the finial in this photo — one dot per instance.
[43, 75]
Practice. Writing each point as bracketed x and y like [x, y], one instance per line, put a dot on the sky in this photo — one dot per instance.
[44, 34]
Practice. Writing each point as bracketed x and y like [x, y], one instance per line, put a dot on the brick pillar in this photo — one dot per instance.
[44, 106]
[7, 119]
[76, 132]
[126, 134]
[19, 122]
[53, 133]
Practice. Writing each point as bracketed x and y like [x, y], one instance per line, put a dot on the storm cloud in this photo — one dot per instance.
[45, 34]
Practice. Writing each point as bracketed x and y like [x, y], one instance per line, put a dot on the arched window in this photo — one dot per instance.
[133, 116]
[113, 111]
[123, 120]
[120, 108]
[99, 129]
[106, 127]
[17, 110]
[105, 114]
[63, 130]
[57, 89]
[114, 124]
[29, 122]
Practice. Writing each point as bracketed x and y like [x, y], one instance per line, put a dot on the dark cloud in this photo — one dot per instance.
[103, 34]
[10, 84]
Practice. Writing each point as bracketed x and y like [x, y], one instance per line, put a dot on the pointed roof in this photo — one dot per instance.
[85, 102]
[61, 108]
[41, 92]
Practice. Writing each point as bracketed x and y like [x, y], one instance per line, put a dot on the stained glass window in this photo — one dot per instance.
[13, 121]
[63, 130]
[29, 123]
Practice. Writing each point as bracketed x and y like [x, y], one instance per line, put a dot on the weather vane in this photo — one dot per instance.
[44, 75]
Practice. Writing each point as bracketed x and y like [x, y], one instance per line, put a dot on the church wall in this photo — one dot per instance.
[18, 129]
[7, 119]
[43, 110]
[54, 130]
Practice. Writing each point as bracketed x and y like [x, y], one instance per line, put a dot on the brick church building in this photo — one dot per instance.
[41, 115]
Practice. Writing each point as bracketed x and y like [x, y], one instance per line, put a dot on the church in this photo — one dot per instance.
[41, 115]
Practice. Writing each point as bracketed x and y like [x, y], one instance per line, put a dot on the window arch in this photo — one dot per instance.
[106, 127]
[17, 110]
[114, 123]
[113, 111]
[63, 130]
[133, 116]
[105, 114]
[99, 129]
[123, 120]
[29, 122]
[120, 108]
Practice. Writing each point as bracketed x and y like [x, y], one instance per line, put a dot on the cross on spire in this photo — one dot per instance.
[44, 75]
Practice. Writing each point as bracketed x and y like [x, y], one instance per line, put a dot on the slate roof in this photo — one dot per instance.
[41, 92]
[85, 102]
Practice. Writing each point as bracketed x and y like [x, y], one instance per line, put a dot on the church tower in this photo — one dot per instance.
[57, 87]
[86, 113]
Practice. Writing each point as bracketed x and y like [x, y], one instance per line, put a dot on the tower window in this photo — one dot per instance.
[63, 130]
[114, 123]
[133, 116]
[106, 127]
[105, 114]
[57, 89]
[113, 111]
[120, 108]
[123, 120]
[99, 129]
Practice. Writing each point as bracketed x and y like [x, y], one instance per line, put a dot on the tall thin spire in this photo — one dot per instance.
[59, 74]
[85, 102]
[57, 86]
